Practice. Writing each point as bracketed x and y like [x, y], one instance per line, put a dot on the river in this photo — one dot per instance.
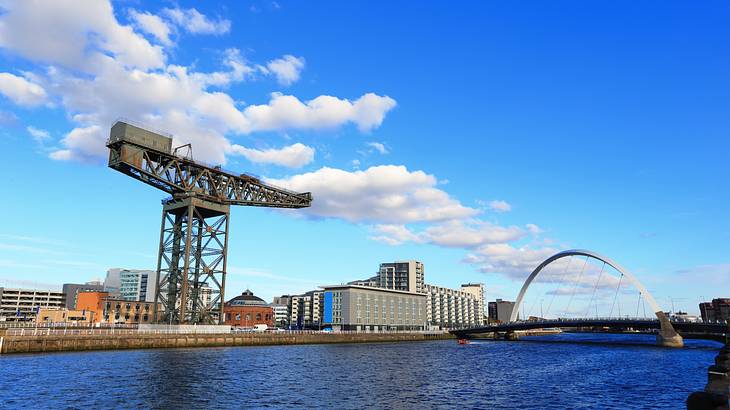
[561, 371]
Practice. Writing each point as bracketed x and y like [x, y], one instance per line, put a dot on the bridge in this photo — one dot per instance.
[669, 332]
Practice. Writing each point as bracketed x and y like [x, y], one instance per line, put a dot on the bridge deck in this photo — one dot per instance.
[689, 327]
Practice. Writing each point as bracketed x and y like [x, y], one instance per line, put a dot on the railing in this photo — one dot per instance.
[174, 330]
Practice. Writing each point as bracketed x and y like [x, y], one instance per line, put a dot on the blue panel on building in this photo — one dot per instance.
[327, 307]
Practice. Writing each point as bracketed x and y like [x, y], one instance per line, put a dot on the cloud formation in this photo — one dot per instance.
[386, 194]
[500, 206]
[286, 69]
[21, 91]
[98, 70]
[192, 21]
[292, 156]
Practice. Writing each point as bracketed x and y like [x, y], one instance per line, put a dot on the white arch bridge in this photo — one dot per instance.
[667, 330]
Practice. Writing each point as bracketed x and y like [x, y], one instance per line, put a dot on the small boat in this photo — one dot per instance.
[463, 341]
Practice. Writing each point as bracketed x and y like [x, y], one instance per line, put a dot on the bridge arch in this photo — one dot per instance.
[668, 335]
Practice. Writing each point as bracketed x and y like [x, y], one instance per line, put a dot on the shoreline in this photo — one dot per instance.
[76, 343]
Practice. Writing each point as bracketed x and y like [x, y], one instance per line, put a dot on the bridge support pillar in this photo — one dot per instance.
[667, 336]
[672, 341]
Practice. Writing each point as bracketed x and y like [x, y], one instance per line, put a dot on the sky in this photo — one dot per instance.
[479, 138]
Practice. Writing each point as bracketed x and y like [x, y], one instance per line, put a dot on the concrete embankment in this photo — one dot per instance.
[67, 343]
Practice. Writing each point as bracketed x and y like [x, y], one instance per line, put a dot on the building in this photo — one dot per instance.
[247, 310]
[446, 308]
[63, 315]
[23, 304]
[367, 308]
[500, 311]
[452, 308]
[281, 315]
[71, 290]
[373, 282]
[306, 310]
[477, 289]
[406, 276]
[108, 309]
[717, 310]
[131, 284]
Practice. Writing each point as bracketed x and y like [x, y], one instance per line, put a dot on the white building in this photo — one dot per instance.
[477, 289]
[131, 284]
[23, 304]
[281, 315]
[452, 309]
[306, 310]
[369, 308]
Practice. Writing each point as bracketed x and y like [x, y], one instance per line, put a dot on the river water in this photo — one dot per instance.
[562, 371]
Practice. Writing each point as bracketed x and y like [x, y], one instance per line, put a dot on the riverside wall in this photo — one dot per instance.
[68, 343]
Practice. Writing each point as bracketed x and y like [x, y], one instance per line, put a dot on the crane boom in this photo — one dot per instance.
[150, 161]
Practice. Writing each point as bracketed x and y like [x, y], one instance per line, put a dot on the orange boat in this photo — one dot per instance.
[463, 341]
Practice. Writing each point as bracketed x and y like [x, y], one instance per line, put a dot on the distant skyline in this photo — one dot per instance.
[478, 138]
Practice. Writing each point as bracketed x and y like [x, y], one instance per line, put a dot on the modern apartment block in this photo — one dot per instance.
[717, 310]
[500, 311]
[306, 310]
[71, 290]
[131, 284]
[453, 308]
[406, 276]
[477, 290]
[281, 315]
[23, 304]
[367, 308]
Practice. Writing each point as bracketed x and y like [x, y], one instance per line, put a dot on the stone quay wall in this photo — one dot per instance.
[67, 343]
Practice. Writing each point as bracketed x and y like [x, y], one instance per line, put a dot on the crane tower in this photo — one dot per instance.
[191, 262]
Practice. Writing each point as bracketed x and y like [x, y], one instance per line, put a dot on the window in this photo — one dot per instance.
[136, 307]
[258, 316]
[248, 316]
[238, 316]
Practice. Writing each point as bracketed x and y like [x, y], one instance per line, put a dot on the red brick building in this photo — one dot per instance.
[248, 310]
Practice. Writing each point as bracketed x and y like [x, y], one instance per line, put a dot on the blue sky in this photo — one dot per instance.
[478, 138]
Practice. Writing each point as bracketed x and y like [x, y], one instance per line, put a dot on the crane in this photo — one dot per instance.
[192, 257]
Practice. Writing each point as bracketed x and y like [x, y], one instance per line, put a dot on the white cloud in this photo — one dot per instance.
[100, 70]
[516, 262]
[378, 146]
[192, 21]
[286, 112]
[292, 156]
[534, 229]
[83, 144]
[38, 134]
[72, 33]
[460, 234]
[394, 234]
[500, 206]
[238, 71]
[21, 91]
[386, 194]
[152, 24]
[287, 69]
